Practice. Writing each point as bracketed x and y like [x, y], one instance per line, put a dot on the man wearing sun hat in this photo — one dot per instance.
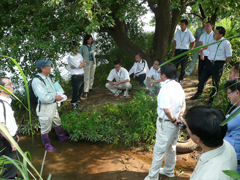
[47, 107]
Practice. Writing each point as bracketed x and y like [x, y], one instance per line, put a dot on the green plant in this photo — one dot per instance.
[5, 131]
[22, 166]
[232, 174]
[128, 123]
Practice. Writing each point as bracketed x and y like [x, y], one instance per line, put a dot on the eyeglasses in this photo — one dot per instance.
[229, 92]
[9, 84]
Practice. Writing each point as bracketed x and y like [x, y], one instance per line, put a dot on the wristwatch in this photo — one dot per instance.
[174, 121]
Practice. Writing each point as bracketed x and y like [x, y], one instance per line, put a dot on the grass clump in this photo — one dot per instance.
[123, 123]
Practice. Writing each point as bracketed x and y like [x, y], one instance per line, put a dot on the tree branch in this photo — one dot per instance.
[142, 3]
[202, 12]
[152, 6]
[196, 15]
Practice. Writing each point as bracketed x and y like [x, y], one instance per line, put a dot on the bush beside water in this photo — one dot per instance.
[123, 123]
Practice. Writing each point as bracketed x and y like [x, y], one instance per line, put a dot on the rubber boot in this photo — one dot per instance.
[60, 133]
[46, 141]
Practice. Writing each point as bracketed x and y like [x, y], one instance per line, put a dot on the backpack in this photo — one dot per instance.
[33, 97]
[4, 110]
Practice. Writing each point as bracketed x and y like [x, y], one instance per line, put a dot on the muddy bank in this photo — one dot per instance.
[87, 161]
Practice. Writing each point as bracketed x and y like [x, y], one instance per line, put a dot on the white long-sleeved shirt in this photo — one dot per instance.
[139, 68]
[75, 60]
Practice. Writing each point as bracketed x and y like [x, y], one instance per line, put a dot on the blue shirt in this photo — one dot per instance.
[45, 93]
[90, 53]
[233, 133]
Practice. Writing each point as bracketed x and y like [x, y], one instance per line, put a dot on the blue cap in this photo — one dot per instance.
[43, 62]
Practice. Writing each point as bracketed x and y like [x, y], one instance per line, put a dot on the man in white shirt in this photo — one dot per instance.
[122, 78]
[171, 106]
[203, 126]
[204, 52]
[139, 69]
[182, 40]
[217, 57]
[153, 78]
[76, 62]
[8, 121]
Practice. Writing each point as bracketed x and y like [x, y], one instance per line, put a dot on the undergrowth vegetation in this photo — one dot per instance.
[123, 123]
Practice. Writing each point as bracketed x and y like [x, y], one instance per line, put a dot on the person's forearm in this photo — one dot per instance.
[228, 59]
[193, 44]
[182, 109]
[169, 114]
[81, 65]
[121, 82]
[174, 47]
[157, 81]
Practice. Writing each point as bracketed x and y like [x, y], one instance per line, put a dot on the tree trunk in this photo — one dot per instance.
[166, 22]
[163, 30]
[119, 33]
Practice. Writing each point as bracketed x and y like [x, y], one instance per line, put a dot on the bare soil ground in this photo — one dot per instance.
[86, 161]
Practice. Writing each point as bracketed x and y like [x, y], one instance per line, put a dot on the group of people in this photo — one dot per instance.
[219, 143]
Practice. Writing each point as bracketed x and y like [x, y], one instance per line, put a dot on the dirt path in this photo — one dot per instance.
[86, 161]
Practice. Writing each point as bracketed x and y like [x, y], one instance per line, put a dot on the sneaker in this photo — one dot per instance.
[180, 82]
[125, 94]
[166, 174]
[196, 96]
[117, 92]
[74, 106]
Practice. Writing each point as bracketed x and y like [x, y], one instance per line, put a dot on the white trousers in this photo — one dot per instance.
[89, 72]
[48, 116]
[126, 86]
[165, 145]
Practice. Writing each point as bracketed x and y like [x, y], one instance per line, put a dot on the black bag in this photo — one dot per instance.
[4, 113]
[33, 98]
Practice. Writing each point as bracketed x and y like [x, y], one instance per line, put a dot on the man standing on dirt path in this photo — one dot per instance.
[171, 106]
[182, 40]
[122, 78]
[8, 121]
[203, 126]
[204, 52]
[219, 54]
[46, 110]
[77, 64]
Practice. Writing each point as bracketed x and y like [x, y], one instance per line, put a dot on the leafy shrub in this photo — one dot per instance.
[129, 123]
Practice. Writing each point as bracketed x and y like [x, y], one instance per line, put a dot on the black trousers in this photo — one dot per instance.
[183, 60]
[9, 171]
[214, 69]
[201, 65]
[77, 82]
[139, 78]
